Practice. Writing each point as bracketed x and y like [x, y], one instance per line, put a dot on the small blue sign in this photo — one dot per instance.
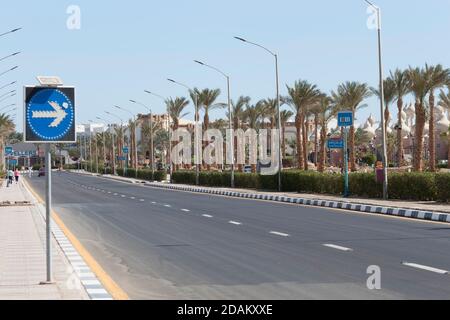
[345, 119]
[335, 144]
[50, 115]
[125, 150]
[9, 150]
[119, 158]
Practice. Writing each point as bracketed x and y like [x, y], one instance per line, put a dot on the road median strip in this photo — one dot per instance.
[366, 208]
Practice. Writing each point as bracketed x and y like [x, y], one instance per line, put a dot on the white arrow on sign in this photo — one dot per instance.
[59, 114]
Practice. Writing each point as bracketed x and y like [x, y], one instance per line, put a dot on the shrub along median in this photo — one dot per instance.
[404, 186]
[143, 174]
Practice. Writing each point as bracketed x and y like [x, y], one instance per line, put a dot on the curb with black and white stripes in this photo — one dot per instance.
[82, 271]
[391, 211]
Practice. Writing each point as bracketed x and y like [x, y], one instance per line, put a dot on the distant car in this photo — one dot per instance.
[247, 169]
[41, 172]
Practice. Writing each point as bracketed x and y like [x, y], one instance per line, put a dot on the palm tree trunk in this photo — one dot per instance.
[316, 139]
[206, 126]
[305, 143]
[420, 126]
[298, 127]
[399, 133]
[236, 127]
[323, 133]
[432, 139]
[448, 156]
[352, 149]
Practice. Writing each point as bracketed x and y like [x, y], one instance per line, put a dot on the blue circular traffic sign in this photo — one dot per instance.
[50, 114]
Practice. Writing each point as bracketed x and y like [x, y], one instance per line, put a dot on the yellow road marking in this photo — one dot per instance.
[110, 285]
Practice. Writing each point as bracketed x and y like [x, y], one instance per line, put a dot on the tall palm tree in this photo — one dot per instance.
[437, 78]
[149, 130]
[238, 117]
[401, 89]
[326, 112]
[445, 103]
[389, 97]
[270, 111]
[208, 103]
[176, 112]
[350, 96]
[285, 115]
[253, 117]
[301, 96]
[419, 87]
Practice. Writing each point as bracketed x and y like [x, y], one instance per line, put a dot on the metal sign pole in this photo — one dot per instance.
[346, 188]
[48, 209]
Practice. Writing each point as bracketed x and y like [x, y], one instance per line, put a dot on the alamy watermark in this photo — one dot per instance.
[239, 147]
[374, 280]
[73, 22]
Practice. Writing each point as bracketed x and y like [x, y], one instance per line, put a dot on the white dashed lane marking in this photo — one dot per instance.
[167, 206]
[333, 246]
[235, 223]
[185, 210]
[279, 234]
[426, 268]
[207, 216]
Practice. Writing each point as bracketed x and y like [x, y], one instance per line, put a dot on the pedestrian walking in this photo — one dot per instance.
[10, 177]
[17, 175]
[30, 172]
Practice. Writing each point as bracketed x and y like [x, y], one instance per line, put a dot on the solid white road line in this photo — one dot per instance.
[207, 215]
[279, 234]
[422, 267]
[235, 223]
[333, 246]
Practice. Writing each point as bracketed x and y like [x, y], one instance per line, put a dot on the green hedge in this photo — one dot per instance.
[403, 186]
[443, 187]
[143, 174]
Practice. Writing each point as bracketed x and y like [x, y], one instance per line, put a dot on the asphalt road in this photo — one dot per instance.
[163, 244]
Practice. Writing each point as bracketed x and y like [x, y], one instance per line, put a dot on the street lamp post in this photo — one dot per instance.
[9, 56]
[280, 154]
[121, 127]
[230, 123]
[7, 85]
[151, 135]
[9, 70]
[104, 145]
[168, 131]
[135, 138]
[8, 32]
[96, 150]
[380, 67]
[196, 136]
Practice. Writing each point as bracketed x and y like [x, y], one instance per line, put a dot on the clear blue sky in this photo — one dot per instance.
[128, 46]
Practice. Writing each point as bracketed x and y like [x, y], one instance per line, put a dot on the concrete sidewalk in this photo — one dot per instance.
[22, 252]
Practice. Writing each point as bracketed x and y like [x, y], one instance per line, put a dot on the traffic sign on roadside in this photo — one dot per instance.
[9, 150]
[125, 150]
[50, 115]
[345, 119]
[335, 144]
